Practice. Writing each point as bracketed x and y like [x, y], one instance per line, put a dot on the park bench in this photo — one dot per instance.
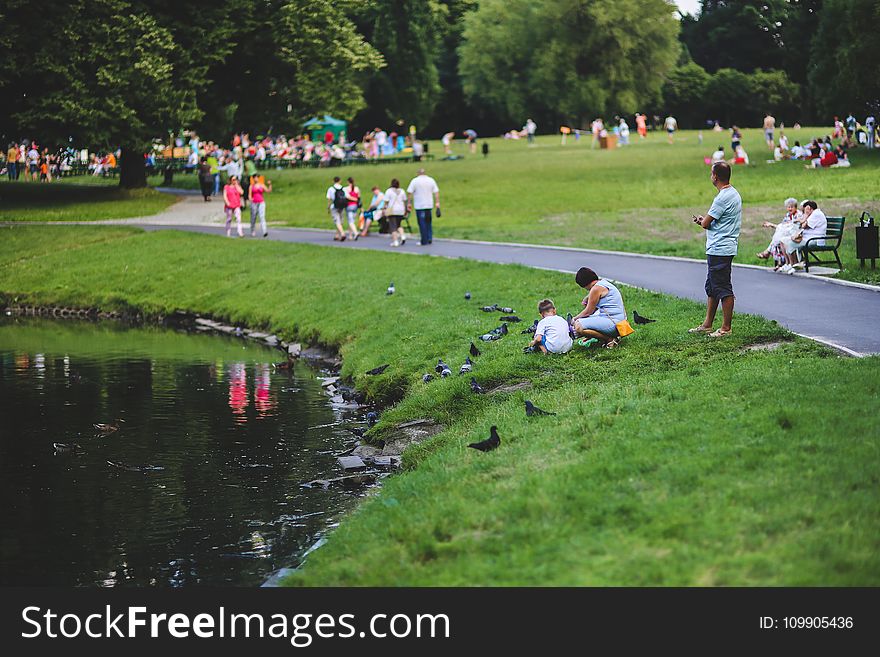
[833, 238]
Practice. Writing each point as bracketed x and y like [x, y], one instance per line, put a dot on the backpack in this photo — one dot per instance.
[339, 200]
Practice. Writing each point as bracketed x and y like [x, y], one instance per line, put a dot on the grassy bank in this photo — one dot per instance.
[673, 460]
[86, 199]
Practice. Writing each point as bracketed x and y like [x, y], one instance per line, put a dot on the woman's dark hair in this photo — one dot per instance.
[395, 183]
[585, 276]
[351, 180]
[812, 204]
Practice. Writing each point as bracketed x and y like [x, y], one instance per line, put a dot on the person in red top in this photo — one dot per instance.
[353, 195]
[641, 125]
[258, 203]
[826, 160]
[232, 204]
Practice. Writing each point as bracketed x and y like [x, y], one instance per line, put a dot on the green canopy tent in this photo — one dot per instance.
[319, 127]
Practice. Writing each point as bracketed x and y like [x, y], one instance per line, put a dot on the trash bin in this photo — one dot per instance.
[867, 241]
[610, 141]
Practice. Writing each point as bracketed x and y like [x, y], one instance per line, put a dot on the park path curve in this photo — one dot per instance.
[846, 316]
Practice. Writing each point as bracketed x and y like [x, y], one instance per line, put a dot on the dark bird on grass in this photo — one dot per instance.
[440, 366]
[500, 330]
[638, 319]
[378, 370]
[490, 309]
[509, 311]
[372, 418]
[531, 410]
[467, 296]
[108, 428]
[474, 351]
[509, 318]
[476, 387]
[490, 443]
[445, 372]
[428, 377]
[530, 330]
[465, 366]
[488, 337]
[66, 448]
[390, 289]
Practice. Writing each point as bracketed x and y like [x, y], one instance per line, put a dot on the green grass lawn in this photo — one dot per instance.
[81, 199]
[673, 460]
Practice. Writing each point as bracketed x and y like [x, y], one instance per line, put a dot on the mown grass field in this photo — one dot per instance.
[673, 460]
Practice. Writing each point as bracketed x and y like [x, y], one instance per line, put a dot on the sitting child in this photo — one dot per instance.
[551, 334]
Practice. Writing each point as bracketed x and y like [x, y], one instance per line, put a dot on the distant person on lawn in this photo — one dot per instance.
[232, 205]
[722, 225]
[552, 333]
[424, 195]
[336, 204]
[603, 309]
[256, 195]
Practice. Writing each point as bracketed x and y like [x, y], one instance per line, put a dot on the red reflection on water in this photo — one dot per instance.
[238, 393]
[264, 400]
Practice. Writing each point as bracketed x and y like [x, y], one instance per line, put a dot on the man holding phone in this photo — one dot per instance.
[722, 225]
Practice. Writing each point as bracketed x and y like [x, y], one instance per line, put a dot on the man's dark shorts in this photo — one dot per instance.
[718, 283]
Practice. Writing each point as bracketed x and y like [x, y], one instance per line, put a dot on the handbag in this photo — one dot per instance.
[624, 328]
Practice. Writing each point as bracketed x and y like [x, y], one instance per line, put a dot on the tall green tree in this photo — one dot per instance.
[567, 60]
[684, 94]
[846, 52]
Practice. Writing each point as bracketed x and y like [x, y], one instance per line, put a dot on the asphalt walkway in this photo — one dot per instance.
[844, 316]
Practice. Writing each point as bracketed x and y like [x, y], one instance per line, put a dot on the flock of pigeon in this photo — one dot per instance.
[444, 370]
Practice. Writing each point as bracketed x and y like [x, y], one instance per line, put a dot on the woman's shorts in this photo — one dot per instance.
[393, 222]
[596, 322]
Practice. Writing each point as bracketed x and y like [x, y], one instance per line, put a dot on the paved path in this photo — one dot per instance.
[843, 316]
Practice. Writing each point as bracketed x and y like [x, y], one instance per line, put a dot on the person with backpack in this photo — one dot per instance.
[395, 210]
[336, 204]
[353, 196]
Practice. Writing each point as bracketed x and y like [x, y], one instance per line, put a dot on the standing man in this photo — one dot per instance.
[722, 224]
[769, 126]
[423, 195]
[530, 128]
[671, 126]
[850, 126]
[870, 124]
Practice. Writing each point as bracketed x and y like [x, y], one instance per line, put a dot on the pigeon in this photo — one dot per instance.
[440, 366]
[390, 289]
[638, 319]
[530, 330]
[377, 370]
[509, 318]
[503, 329]
[372, 418]
[108, 428]
[474, 351]
[465, 366]
[357, 431]
[488, 337]
[476, 387]
[445, 371]
[490, 443]
[467, 296]
[509, 311]
[490, 309]
[531, 410]
[352, 395]
[66, 447]
[428, 377]
[286, 365]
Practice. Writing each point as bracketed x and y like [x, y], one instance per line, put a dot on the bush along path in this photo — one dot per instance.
[672, 460]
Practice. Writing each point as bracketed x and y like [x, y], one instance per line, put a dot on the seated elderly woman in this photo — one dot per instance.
[603, 309]
[782, 234]
[811, 224]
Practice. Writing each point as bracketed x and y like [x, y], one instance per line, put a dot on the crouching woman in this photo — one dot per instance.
[603, 309]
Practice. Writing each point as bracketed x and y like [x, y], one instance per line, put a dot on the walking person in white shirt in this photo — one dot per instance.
[395, 209]
[424, 195]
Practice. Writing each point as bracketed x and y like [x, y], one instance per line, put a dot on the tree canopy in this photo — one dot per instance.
[567, 60]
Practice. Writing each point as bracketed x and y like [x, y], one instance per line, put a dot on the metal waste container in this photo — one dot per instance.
[867, 241]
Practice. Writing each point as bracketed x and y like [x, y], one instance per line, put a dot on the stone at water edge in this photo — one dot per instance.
[351, 463]
[294, 350]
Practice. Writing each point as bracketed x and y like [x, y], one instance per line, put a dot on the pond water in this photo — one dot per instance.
[208, 461]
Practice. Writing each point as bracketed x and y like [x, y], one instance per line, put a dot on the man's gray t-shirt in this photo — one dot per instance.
[723, 233]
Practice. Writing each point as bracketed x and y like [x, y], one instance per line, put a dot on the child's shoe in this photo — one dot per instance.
[586, 342]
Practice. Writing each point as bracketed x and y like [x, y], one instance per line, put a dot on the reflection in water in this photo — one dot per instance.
[205, 497]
